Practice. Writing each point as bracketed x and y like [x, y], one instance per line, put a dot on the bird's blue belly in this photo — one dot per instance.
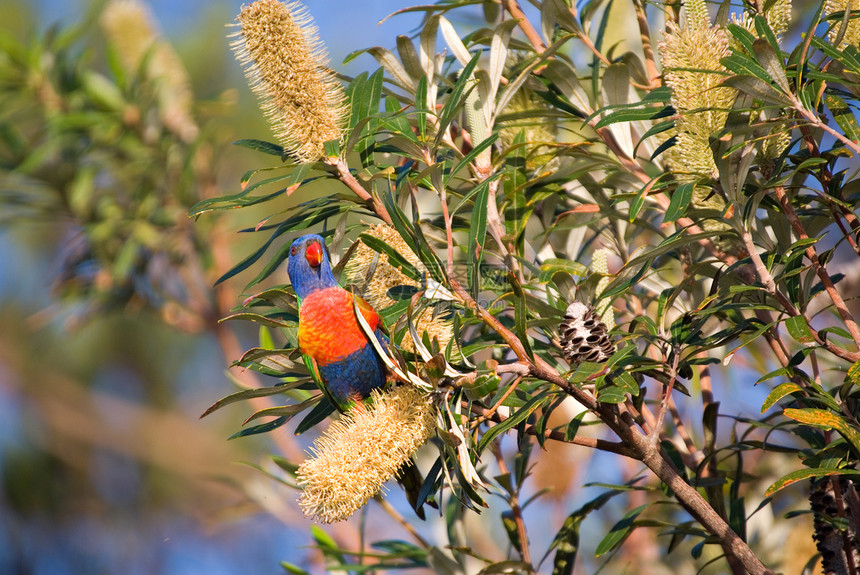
[356, 375]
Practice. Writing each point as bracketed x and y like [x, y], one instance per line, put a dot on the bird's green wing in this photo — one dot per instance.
[314, 372]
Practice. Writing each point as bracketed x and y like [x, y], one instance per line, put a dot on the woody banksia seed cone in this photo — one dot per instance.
[361, 451]
[583, 335]
[285, 64]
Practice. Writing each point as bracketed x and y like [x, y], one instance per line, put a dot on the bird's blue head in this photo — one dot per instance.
[308, 265]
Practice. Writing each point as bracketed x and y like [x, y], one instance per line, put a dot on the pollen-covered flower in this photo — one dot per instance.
[285, 64]
[372, 272]
[362, 450]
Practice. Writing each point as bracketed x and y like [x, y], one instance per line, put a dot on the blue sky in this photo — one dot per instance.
[343, 25]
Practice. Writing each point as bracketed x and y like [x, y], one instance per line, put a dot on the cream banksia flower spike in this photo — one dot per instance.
[285, 64]
[362, 450]
[131, 30]
[691, 65]
[600, 265]
[375, 276]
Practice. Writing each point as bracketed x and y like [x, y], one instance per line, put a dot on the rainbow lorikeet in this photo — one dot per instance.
[336, 349]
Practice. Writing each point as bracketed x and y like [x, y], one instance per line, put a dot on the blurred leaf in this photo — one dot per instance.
[619, 531]
[250, 394]
[261, 146]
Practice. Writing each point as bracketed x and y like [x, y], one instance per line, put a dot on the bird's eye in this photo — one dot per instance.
[294, 250]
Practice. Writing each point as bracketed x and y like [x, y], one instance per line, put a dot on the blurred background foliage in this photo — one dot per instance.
[110, 345]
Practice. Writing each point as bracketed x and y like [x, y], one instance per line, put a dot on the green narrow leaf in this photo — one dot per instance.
[262, 428]
[778, 393]
[249, 394]
[843, 116]
[261, 146]
[478, 231]
[515, 419]
[802, 474]
[323, 409]
[619, 531]
[553, 266]
[799, 330]
[328, 545]
[681, 198]
[288, 411]
[293, 569]
[572, 427]
[395, 259]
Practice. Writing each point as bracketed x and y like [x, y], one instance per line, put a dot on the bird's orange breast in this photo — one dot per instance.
[328, 329]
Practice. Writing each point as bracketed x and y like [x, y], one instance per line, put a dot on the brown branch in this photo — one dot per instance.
[811, 254]
[638, 446]
[647, 49]
[514, 502]
[513, 8]
[345, 176]
[394, 514]
[555, 435]
[490, 412]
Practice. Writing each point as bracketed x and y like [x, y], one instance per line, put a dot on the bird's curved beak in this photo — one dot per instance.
[314, 254]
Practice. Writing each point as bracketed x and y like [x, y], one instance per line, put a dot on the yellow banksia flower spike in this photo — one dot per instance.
[131, 30]
[286, 66]
[375, 277]
[363, 450]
